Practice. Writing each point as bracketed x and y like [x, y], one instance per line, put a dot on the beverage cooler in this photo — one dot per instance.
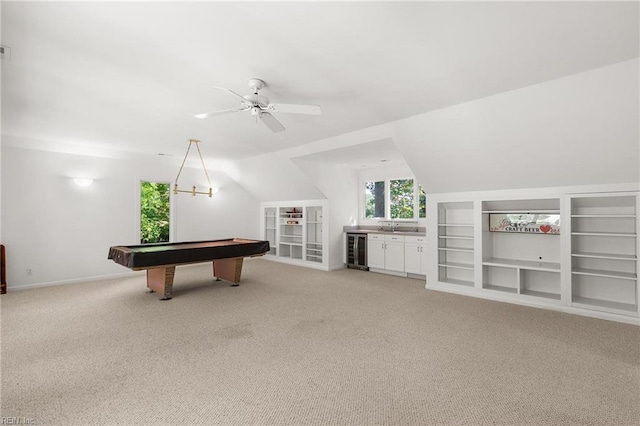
[357, 251]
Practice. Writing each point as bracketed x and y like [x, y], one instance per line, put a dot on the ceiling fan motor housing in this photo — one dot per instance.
[256, 84]
[256, 99]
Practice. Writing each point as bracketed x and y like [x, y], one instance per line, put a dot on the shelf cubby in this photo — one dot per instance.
[520, 262]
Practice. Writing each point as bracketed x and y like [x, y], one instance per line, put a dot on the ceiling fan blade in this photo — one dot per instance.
[234, 94]
[271, 122]
[296, 109]
[221, 112]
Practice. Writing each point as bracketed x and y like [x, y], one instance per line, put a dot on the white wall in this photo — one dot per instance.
[274, 177]
[63, 233]
[577, 130]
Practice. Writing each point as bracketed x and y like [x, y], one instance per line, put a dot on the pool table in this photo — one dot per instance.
[160, 259]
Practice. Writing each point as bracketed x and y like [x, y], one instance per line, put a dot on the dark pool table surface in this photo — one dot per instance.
[161, 259]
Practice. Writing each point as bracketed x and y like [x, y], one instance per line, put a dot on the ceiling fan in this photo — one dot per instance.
[261, 107]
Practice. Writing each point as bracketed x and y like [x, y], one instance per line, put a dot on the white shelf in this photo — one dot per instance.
[605, 305]
[523, 264]
[457, 265]
[466, 225]
[462, 249]
[605, 255]
[606, 234]
[544, 294]
[603, 273]
[522, 211]
[457, 282]
[291, 244]
[605, 216]
[502, 288]
[455, 237]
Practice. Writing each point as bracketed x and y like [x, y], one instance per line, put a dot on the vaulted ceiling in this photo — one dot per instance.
[128, 77]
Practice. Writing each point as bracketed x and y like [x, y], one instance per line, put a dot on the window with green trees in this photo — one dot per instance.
[401, 198]
[406, 199]
[154, 212]
[374, 199]
[422, 202]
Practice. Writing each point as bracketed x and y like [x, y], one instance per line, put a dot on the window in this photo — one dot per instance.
[422, 202]
[401, 198]
[374, 200]
[394, 199]
[154, 212]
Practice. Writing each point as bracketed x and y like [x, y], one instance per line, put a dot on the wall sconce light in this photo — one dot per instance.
[193, 188]
[82, 182]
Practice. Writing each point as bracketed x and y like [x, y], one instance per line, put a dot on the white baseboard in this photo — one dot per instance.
[72, 281]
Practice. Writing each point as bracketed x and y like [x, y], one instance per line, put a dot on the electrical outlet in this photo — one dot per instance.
[29, 271]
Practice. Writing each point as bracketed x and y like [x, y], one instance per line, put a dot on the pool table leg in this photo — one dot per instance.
[160, 280]
[228, 269]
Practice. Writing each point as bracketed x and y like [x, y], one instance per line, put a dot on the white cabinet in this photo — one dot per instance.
[386, 252]
[375, 251]
[415, 255]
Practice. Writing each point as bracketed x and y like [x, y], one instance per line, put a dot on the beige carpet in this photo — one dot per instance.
[295, 346]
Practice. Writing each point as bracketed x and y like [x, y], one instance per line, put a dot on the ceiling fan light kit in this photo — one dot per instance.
[260, 106]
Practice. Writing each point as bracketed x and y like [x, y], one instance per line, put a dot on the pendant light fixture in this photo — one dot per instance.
[193, 189]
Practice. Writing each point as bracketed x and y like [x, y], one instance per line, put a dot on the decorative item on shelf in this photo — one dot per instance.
[525, 223]
[292, 222]
[193, 189]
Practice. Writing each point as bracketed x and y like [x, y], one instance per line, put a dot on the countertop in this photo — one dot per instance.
[374, 230]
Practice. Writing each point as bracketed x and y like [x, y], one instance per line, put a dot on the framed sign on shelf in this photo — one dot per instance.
[548, 224]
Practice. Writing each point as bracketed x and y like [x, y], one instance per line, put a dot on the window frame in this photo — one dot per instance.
[387, 200]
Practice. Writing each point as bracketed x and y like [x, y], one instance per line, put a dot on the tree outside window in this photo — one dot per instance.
[401, 198]
[374, 199]
[422, 202]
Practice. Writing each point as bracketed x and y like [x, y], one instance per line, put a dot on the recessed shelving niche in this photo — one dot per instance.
[523, 263]
[456, 243]
[296, 232]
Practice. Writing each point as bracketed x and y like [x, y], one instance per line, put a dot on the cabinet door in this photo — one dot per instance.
[394, 256]
[412, 257]
[375, 253]
[423, 259]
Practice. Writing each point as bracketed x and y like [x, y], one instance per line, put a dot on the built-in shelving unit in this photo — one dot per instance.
[604, 252]
[291, 223]
[523, 263]
[574, 252]
[314, 248]
[271, 229]
[296, 231]
[456, 243]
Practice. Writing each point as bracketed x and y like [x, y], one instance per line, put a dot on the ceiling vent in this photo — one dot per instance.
[5, 52]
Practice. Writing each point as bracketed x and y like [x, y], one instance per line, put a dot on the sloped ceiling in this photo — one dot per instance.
[129, 76]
